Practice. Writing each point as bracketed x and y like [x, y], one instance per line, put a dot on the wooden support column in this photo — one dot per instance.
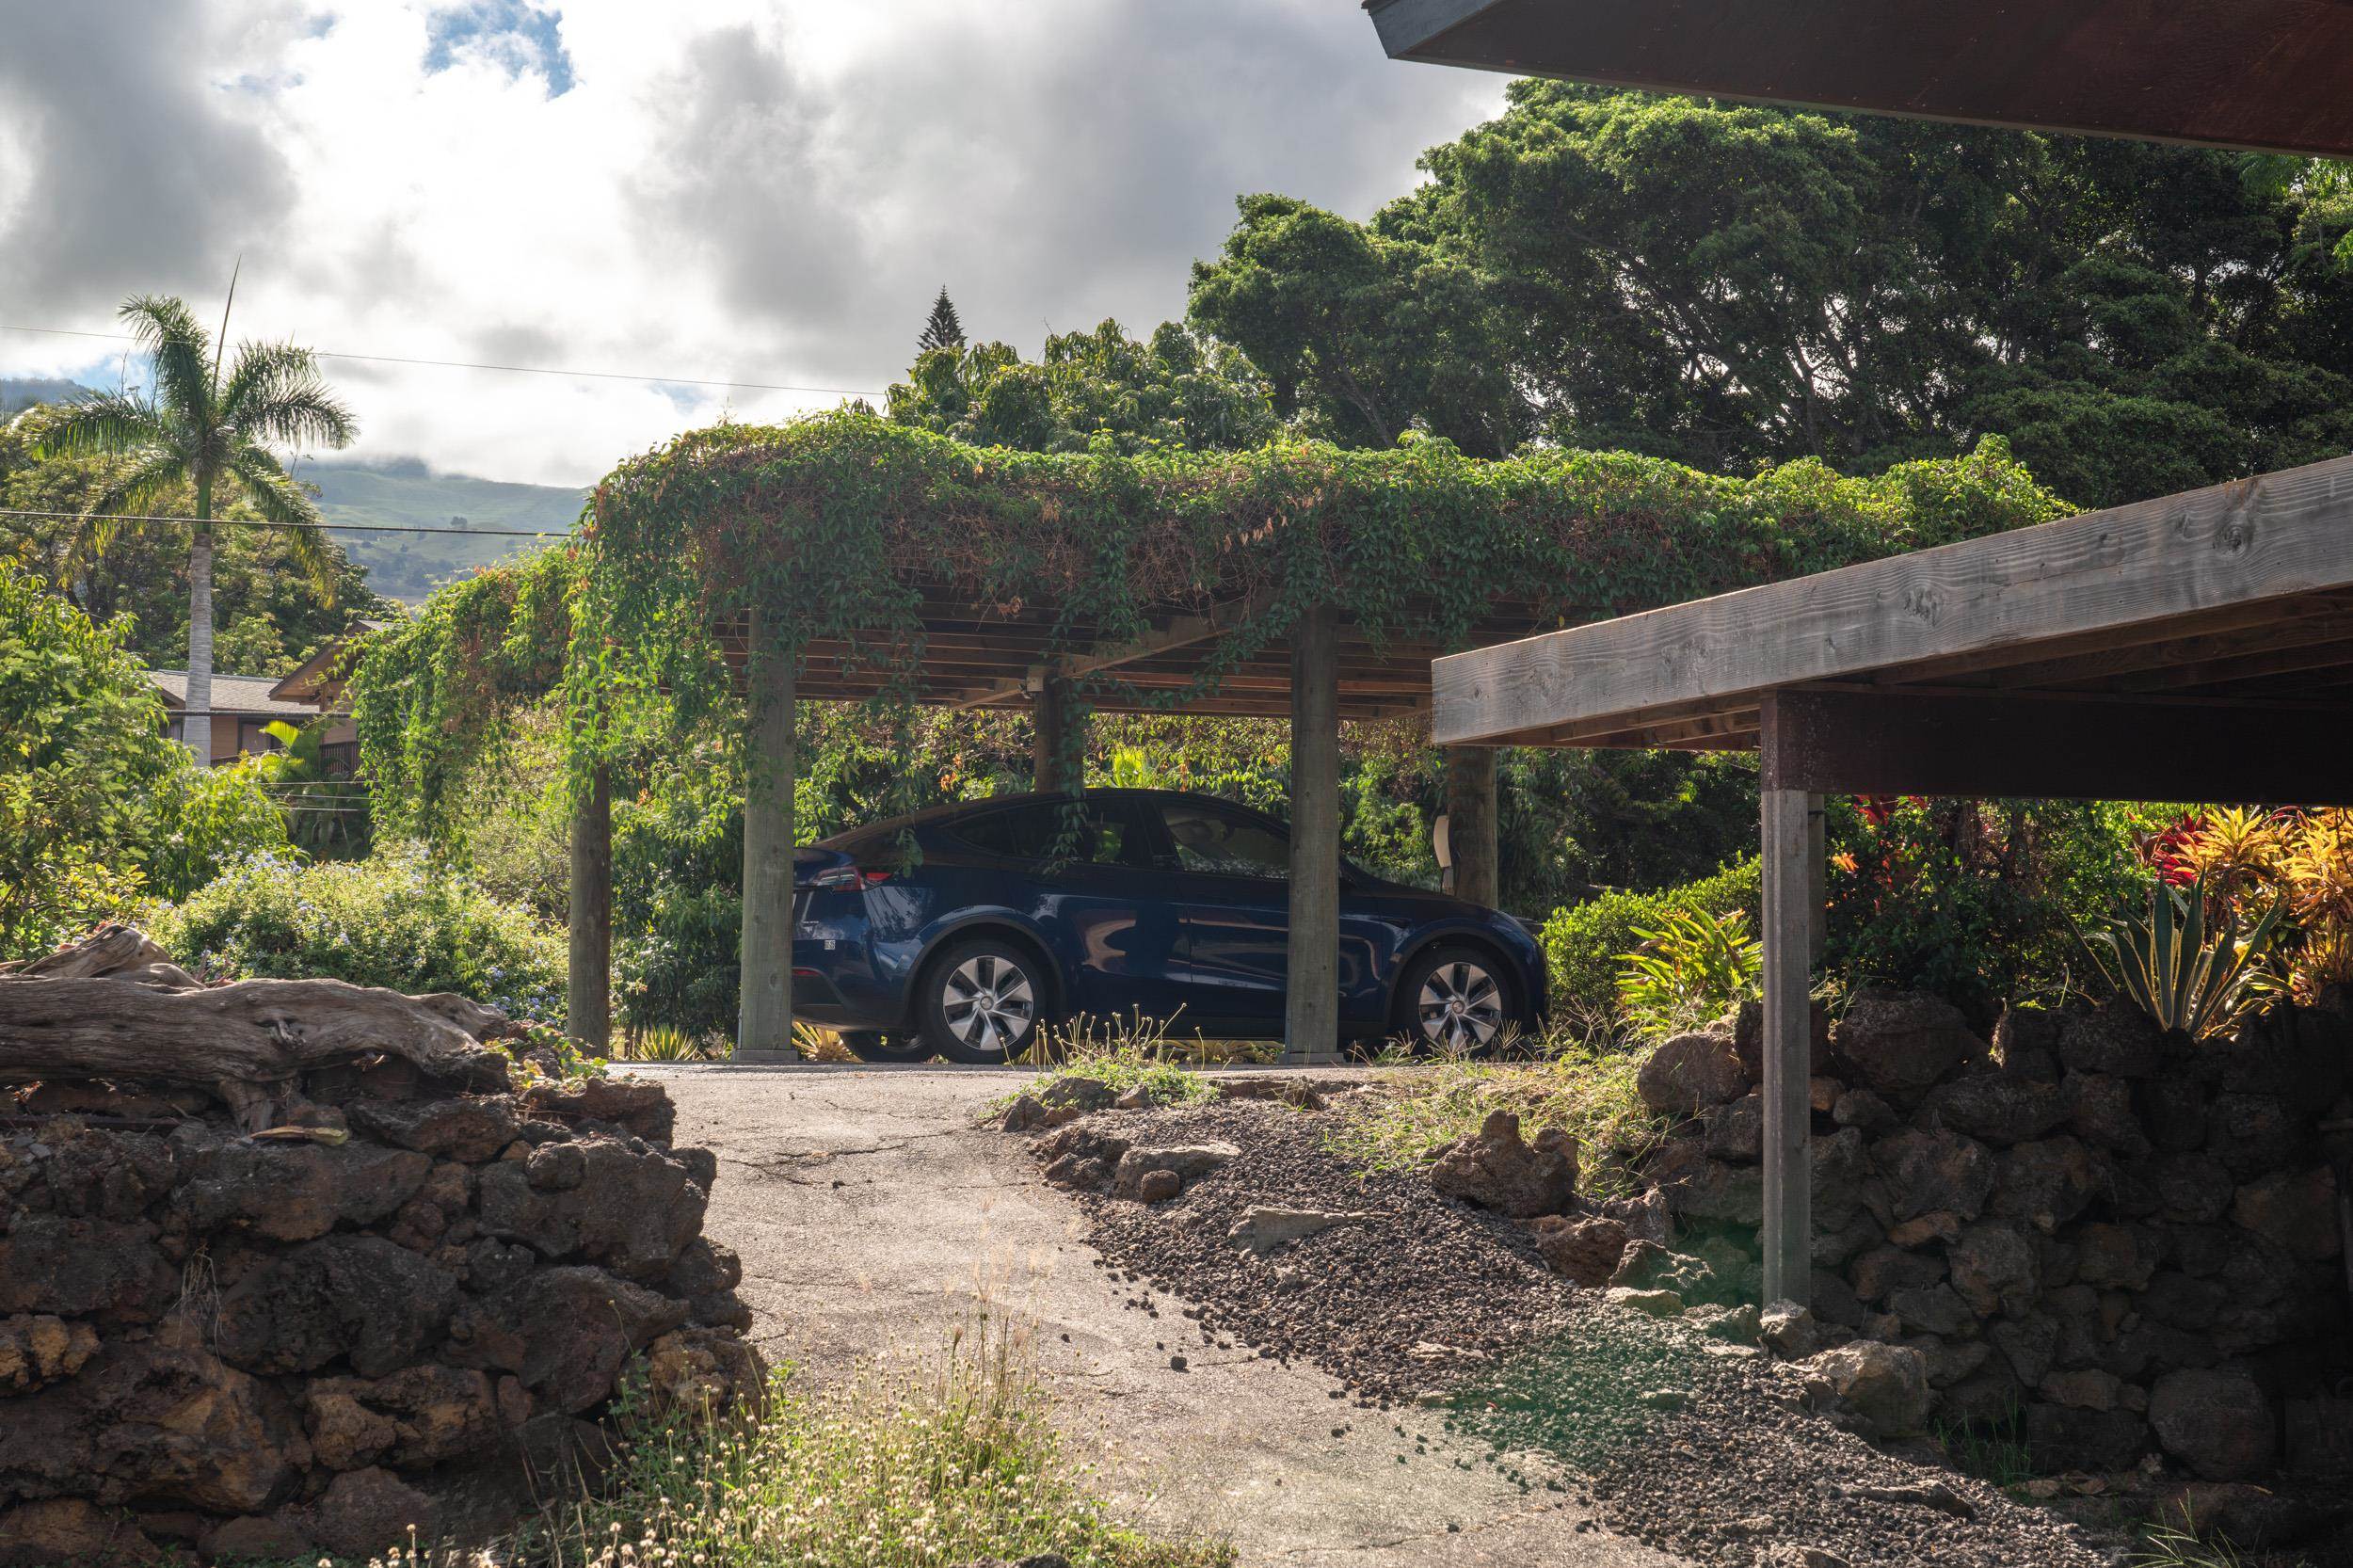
[588, 987]
[1049, 733]
[1470, 823]
[764, 1028]
[1311, 1017]
[1792, 908]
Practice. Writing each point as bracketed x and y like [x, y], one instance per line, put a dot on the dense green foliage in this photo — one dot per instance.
[1691, 969]
[269, 613]
[1726, 284]
[1583, 945]
[391, 921]
[1088, 388]
[98, 807]
[1973, 900]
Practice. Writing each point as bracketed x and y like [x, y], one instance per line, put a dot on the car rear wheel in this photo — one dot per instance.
[873, 1045]
[983, 1002]
[1454, 1001]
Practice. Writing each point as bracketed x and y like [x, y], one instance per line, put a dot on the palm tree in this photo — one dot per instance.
[205, 432]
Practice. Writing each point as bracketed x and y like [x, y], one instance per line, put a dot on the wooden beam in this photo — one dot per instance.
[1182, 631]
[1879, 742]
[763, 1027]
[2284, 533]
[1791, 912]
[1311, 1019]
[588, 918]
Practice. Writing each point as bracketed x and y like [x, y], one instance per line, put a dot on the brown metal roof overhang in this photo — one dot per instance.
[2265, 75]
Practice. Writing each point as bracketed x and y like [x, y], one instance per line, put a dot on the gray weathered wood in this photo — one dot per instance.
[1879, 740]
[1470, 833]
[763, 1029]
[1311, 1019]
[1180, 632]
[114, 1007]
[1817, 879]
[1792, 910]
[588, 985]
[2284, 534]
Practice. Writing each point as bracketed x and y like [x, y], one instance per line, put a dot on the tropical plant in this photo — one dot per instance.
[325, 815]
[208, 432]
[2172, 969]
[1689, 968]
[98, 810]
[1582, 944]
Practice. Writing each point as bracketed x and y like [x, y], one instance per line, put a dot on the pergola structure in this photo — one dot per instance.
[997, 656]
[2194, 647]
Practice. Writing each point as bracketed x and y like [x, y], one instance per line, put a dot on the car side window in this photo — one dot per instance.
[1208, 840]
[1106, 837]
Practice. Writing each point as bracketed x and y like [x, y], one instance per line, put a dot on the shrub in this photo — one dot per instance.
[97, 806]
[1582, 945]
[1689, 968]
[392, 920]
[2170, 968]
[1974, 901]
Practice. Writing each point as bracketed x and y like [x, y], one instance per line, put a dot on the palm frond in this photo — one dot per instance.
[130, 490]
[102, 424]
[275, 393]
[279, 500]
[166, 329]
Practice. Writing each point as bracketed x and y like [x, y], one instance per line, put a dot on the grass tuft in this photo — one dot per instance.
[1582, 1085]
[899, 1467]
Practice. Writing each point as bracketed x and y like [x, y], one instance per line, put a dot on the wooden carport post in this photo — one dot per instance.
[1792, 851]
[1311, 1016]
[764, 1027]
[1049, 733]
[1470, 823]
[588, 918]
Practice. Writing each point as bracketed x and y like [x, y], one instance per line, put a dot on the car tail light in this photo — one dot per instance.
[847, 876]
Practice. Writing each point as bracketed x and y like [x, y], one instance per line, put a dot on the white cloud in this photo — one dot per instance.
[768, 192]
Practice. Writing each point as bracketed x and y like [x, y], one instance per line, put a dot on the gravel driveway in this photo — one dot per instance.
[872, 1216]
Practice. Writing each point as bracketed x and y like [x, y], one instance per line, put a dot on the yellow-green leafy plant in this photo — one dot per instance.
[2183, 976]
[1689, 968]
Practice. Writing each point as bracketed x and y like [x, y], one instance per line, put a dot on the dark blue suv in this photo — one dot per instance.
[1019, 911]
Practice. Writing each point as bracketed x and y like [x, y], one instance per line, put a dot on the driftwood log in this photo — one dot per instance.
[115, 1007]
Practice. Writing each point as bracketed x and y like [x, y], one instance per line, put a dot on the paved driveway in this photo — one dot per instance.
[871, 1215]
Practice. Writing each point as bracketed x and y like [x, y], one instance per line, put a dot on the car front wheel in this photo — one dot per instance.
[1454, 1001]
[983, 1002]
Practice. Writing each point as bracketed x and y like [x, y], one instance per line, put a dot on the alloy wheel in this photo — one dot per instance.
[1461, 1006]
[989, 1004]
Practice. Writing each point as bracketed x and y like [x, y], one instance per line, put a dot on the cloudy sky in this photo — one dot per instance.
[747, 190]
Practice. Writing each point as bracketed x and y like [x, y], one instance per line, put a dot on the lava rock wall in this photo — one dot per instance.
[2124, 1240]
[265, 1347]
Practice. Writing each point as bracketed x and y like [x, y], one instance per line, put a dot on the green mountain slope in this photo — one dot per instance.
[407, 566]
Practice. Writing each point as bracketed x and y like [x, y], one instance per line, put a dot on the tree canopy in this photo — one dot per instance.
[1179, 389]
[1730, 285]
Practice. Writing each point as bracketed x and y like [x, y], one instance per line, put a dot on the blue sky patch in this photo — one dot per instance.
[512, 33]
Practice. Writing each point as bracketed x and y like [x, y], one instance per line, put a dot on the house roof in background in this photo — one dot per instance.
[2265, 75]
[319, 681]
[233, 694]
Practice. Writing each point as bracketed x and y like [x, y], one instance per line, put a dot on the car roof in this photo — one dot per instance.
[955, 809]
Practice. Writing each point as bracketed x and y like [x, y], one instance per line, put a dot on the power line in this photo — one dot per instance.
[327, 527]
[517, 370]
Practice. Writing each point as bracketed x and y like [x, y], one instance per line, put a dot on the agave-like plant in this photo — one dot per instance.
[2173, 970]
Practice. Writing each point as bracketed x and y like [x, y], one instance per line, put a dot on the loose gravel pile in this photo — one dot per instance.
[1680, 1441]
